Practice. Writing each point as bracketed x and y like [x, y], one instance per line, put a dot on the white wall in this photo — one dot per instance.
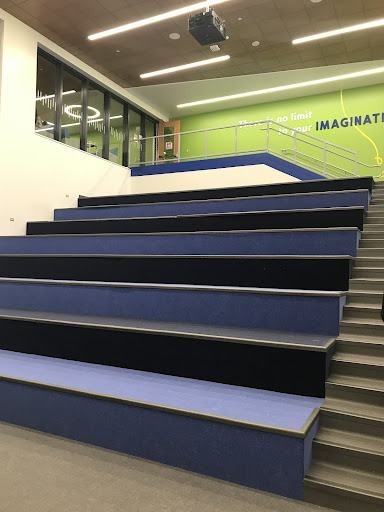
[213, 178]
[38, 174]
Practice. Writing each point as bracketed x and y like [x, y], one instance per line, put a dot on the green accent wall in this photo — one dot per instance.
[365, 101]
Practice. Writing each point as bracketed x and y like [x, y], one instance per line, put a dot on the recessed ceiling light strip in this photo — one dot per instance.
[284, 87]
[185, 66]
[155, 19]
[346, 30]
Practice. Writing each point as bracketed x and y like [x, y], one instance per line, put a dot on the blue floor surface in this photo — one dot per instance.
[245, 404]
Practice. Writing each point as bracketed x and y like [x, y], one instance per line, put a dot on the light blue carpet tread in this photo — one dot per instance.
[239, 403]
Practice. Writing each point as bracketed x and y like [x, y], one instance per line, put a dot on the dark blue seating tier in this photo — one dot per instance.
[214, 429]
[318, 241]
[192, 328]
[246, 204]
[284, 219]
[297, 187]
[302, 272]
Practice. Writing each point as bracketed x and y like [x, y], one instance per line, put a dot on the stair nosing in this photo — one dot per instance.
[351, 449]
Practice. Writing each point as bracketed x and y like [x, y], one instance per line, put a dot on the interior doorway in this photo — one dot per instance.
[169, 146]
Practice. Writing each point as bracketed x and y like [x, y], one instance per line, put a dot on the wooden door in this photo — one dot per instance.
[169, 149]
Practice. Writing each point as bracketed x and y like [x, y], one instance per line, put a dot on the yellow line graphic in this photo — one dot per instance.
[378, 158]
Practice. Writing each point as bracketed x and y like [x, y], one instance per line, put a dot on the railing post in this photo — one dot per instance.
[236, 132]
[179, 152]
[295, 152]
[325, 159]
[267, 136]
[153, 150]
[206, 144]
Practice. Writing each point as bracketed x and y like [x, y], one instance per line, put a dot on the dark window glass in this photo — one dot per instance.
[116, 132]
[135, 137]
[83, 121]
[45, 97]
[72, 110]
[95, 121]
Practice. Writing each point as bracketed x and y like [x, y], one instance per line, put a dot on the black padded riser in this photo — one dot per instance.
[190, 195]
[294, 371]
[329, 217]
[299, 273]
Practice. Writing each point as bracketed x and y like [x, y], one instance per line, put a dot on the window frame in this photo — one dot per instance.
[60, 68]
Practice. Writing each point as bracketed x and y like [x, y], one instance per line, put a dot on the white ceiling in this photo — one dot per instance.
[165, 97]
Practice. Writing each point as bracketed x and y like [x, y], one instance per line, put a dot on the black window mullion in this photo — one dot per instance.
[107, 124]
[84, 117]
[59, 100]
[126, 145]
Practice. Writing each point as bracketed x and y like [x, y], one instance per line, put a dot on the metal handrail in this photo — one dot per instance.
[324, 146]
[317, 160]
[335, 166]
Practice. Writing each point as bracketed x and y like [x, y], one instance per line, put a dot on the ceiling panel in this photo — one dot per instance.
[274, 23]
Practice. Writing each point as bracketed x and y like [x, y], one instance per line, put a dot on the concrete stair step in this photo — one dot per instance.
[339, 376]
[370, 253]
[355, 458]
[374, 219]
[344, 489]
[357, 348]
[361, 298]
[367, 397]
[362, 313]
[366, 284]
[374, 243]
[368, 272]
[355, 430]
[369, 262]
[368, 329]
[372, 235]
[362, 373]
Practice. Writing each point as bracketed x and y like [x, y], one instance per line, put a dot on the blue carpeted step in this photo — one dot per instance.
[277, 219]
[323, 241]
[287, 310]
[302, 272]
[320, 185]
[256, 358]
[247, 436]
[279, 202]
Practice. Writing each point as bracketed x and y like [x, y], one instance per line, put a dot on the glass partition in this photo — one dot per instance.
[135, 137]
[45, 97]
[116, 132]
[72, 111]
[95, 121]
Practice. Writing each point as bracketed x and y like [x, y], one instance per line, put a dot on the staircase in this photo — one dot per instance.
[347, 471]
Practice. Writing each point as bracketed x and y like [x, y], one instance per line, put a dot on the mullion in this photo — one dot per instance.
[126, 148]
[59, 101]
[107, 124]
[84, 117]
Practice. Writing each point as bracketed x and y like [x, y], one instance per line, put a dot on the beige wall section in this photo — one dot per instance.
[36, 173]
[213, 178]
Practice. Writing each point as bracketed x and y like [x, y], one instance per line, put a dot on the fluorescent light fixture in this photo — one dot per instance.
[155, 19]
[186, 66]
[353, 28]
[284, 87]
[40, 98]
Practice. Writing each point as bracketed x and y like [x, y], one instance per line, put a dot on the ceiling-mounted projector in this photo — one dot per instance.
[207, 27]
